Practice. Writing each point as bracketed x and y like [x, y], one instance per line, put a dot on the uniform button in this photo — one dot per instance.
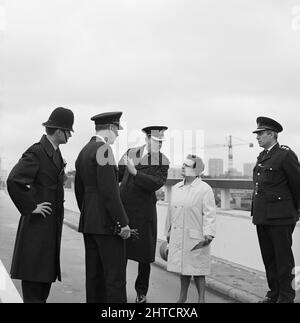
[256, 184]
[259, 165]
[279, 198]
[258, 174]
[256, 193]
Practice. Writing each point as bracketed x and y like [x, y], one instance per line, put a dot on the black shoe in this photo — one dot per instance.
[141, 299]
[268, 300]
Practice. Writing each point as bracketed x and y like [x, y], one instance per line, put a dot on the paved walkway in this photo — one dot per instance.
[227, 279]
[241, 284]
[164, 286]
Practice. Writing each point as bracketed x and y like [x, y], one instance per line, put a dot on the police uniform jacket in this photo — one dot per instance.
[276, 197]
[97, 190]
[139, 199]
[38, 177]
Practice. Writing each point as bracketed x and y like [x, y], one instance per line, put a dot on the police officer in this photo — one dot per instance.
[35, 185]
[276, 201]
[143, 170]
[103, 220]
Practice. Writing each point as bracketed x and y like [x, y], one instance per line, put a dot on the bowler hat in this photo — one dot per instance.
[108, 118]
[264, 123]
[155, 132]
[60, 118]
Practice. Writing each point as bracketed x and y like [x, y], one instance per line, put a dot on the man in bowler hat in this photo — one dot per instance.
[35, 185]
[275, 209]
[103, 220]
[143, 170]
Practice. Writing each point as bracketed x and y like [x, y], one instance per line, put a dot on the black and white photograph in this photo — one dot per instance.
[149, 154]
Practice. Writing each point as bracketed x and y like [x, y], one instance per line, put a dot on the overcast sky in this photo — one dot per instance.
[188, 64]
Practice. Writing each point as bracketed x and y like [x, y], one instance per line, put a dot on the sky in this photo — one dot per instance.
[199, 67]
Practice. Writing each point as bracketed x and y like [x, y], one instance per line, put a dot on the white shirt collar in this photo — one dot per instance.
[100, 137]
[193, 184]
[145, 152]
[268, 150]
[52, 143]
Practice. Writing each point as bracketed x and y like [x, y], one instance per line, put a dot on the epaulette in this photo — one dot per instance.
[285, 147]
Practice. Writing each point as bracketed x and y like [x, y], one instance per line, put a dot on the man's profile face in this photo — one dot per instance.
[62, 136]
[265, 138]
[153, 146]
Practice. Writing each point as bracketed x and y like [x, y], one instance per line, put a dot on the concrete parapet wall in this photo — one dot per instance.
[235, 241]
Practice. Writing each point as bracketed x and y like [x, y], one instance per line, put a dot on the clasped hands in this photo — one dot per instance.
[126, 233]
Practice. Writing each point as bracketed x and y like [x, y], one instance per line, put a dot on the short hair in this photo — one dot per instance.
[100, 127]
[50, 131]
[198, 163]
[274, 133]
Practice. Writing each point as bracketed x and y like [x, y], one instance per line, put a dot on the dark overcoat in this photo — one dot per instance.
[139, 199]
[276, 197]
[37, 178]
[97, 190]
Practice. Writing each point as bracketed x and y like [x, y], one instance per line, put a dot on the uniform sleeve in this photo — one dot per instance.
[19, 181]
[152, 183]
[209, 213]
[292, 170]
[79, 188]
[122, 168]
[108, 188]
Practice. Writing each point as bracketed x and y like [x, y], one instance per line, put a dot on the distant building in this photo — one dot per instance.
[234, 173]
[215, 167]
[248, 169]
[3, 175]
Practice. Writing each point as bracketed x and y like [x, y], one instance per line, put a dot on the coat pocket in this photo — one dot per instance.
[279, 205]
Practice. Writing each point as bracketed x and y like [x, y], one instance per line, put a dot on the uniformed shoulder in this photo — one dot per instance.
[34, 149]
[288, 151]
[284, 147]
[104, 155]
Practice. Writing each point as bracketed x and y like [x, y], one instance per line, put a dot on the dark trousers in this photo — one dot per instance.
[35, 292]
[142, 280]
[105, 262]
[276, 249]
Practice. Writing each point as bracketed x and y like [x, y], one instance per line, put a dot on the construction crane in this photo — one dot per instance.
[230, 146]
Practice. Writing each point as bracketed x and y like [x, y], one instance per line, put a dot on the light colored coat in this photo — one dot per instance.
[191, 216]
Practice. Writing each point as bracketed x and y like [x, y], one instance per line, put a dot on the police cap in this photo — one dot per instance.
[108, 118]
[264, 123]
[155, 132]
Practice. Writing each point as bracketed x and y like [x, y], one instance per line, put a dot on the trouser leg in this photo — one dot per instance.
[285, 263]
[269, 260]
[113, 258]
[35, 292]
[142, 280]
[95, 284]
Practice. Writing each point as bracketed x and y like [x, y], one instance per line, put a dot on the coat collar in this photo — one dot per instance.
[262, 157]
[48, 147]
[193, 184]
